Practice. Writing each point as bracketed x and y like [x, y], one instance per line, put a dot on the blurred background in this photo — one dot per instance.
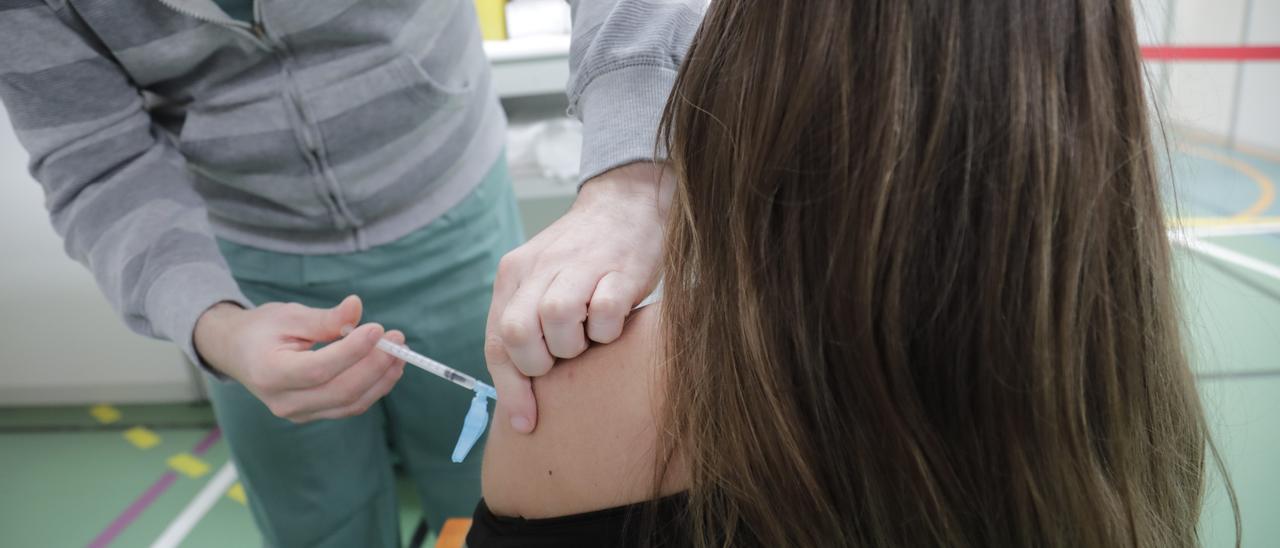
[90, 414]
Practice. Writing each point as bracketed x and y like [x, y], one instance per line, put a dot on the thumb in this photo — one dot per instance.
[515, 390]
[348, 312]
[327, 324]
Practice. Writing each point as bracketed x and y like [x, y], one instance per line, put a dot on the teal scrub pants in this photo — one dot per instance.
[330, 482]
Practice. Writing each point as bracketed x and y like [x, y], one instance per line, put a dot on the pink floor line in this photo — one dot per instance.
[149, 496]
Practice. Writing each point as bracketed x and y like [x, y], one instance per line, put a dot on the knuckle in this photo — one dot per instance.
[605, 337]
[536, 370]
[286, 311]
[516, 332]
[569, 352]
[493, 349]
[510, 264]
[560, 309]
[607, 306]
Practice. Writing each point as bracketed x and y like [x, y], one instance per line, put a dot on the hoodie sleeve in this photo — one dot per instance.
[623, 61]
[117, 191]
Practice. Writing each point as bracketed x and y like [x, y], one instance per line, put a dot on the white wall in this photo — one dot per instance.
[60, 342]
[1202, 96]
[1259, 121]
[1201, 91]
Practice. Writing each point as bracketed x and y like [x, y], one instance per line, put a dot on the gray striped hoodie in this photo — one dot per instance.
[325, 126]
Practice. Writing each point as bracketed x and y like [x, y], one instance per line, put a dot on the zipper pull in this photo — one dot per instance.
[259, 31]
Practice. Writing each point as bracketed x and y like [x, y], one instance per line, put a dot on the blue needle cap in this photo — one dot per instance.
[475, 423]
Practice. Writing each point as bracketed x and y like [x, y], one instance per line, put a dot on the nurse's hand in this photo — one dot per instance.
[268, 349]
[575, 282]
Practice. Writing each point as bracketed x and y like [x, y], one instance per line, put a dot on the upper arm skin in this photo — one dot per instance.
[594, 446]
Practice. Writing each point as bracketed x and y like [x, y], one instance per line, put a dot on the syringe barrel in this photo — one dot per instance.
[429, 365]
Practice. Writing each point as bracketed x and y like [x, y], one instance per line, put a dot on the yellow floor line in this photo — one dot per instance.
[236, 493]
[142, 437]
[188, 465]
[1199, 136]
[104, 413]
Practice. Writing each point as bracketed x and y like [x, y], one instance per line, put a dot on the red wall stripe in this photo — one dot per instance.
[1211, 53]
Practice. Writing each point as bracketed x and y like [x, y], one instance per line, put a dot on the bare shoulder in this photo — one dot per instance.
[594, 446]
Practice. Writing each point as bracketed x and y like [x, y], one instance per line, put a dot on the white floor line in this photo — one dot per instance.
[182, 525]
[1231, 230]
[1226, 255]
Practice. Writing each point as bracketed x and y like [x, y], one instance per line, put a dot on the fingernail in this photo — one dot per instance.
[346, 329]
[519, 424]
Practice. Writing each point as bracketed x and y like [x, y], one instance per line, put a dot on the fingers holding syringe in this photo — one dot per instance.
[353, 390]
[367, 382]
[307, 369]
[380, 388]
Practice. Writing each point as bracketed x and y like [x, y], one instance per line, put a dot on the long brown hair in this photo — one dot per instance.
[918, 285]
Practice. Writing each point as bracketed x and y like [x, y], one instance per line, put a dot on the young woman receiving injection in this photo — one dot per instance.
[917, 293]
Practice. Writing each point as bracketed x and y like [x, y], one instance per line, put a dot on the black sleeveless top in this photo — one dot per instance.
[623, 526]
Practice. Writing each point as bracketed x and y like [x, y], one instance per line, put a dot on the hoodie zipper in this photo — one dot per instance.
[342, 217]
[258, 33]
[247, 29]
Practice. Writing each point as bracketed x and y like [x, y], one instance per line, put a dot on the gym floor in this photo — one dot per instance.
[106, 474]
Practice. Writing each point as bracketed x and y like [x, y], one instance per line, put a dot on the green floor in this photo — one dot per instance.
[66, 477]
[1236, 334]
[1233, 316]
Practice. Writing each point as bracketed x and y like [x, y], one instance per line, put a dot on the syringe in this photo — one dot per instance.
[438, 369]
[434, 367]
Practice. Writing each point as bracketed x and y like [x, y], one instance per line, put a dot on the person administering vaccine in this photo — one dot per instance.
[251, 179]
